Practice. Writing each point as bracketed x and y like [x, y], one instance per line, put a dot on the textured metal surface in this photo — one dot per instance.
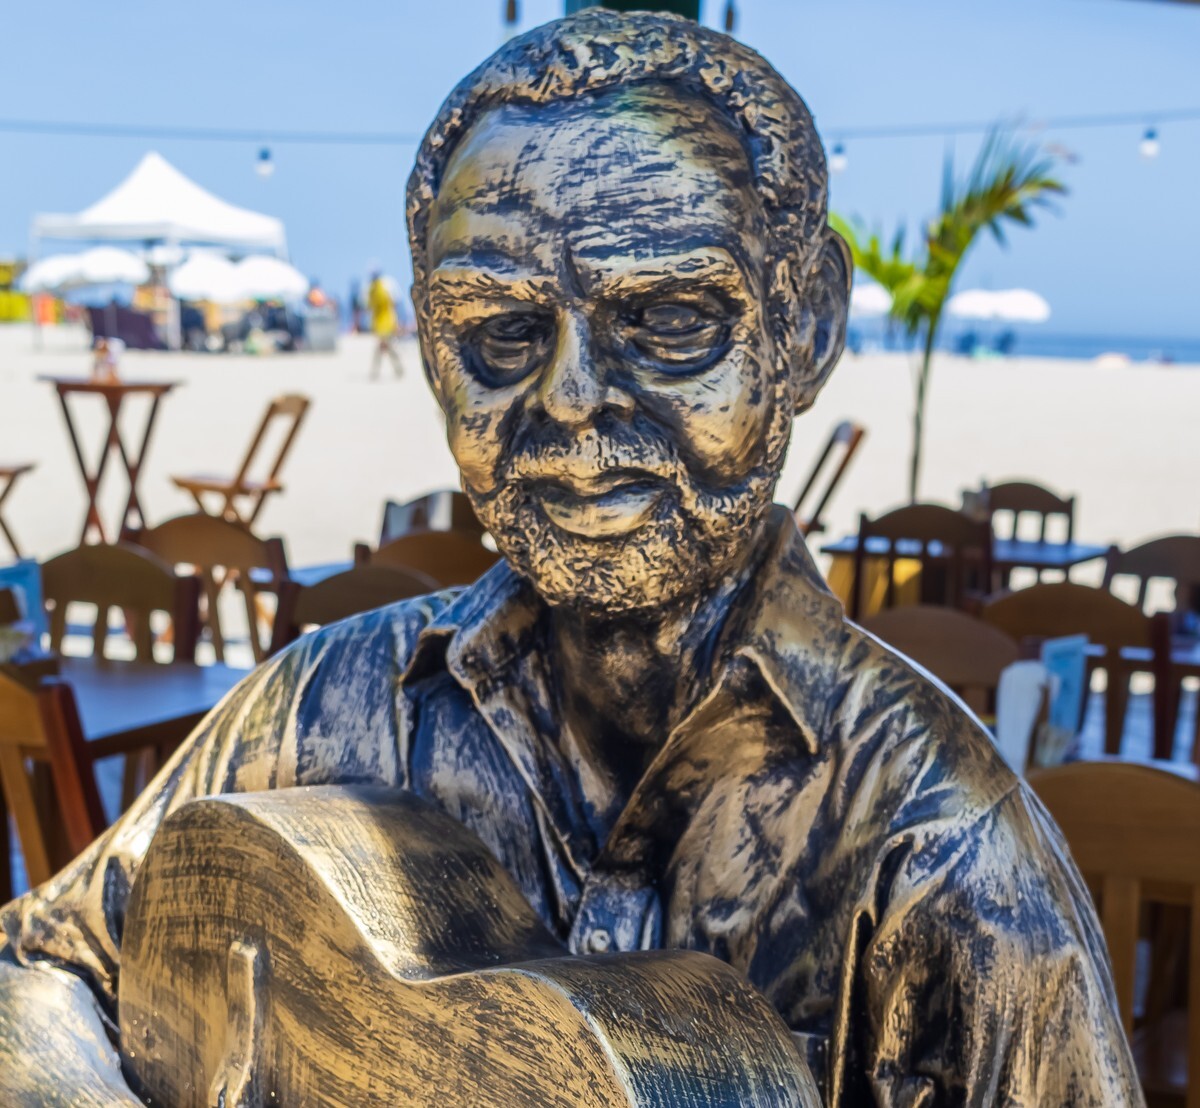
[652, 713]
[355, 946]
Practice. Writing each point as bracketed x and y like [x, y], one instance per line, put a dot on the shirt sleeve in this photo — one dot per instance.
[977, 975]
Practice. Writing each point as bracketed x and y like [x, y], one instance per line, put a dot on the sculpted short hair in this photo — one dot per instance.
[600, 50]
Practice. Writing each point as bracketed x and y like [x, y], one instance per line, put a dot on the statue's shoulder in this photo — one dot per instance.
[917, 730]
[383, 638]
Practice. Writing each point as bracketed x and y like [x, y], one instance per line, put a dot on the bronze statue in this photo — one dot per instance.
[652, 713]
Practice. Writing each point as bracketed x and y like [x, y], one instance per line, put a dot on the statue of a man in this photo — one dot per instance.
[652, 711]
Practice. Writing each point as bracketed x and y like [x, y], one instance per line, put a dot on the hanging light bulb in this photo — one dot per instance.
[1149, 146]
[263, 165]
[837, 159]
[730, 17]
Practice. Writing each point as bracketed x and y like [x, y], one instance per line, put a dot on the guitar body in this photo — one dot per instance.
[357, 947]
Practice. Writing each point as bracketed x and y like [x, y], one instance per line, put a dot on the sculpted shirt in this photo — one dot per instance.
[827, 819]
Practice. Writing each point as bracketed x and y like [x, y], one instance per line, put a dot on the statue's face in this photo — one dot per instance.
[596, 317]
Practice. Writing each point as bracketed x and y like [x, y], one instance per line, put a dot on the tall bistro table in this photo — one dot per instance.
[114, 394]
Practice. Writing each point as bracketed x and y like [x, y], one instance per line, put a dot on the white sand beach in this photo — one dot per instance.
[1126, 441]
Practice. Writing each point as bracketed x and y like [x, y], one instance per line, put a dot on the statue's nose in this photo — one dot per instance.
[574, 387]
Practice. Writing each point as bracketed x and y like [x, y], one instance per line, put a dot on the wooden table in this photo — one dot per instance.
[1007, 554]
[114, 394]
[126, 706]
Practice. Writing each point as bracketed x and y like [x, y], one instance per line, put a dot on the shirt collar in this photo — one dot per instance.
[786, 622]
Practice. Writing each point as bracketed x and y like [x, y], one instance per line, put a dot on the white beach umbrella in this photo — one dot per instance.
[49, 273]
[869, 299]
[102, 265]
[265, 278]
[1005, 305]
[1023, 306]
[207, 275]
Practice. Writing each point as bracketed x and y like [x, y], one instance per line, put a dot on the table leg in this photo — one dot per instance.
[91, 484]
[8, 535]
[134, 468]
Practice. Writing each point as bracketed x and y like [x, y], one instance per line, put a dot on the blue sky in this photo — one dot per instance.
[1120, 258]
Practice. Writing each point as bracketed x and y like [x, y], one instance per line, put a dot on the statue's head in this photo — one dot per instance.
[626, 288]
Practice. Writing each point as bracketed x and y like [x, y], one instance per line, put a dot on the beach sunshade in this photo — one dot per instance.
[265, 278]
[869, 299]
[207, 275]
[157, 203]
[102, 265]
[1004, 306]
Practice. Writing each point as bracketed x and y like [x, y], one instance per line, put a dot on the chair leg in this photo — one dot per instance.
[212, 594]
[18, 795]
[1116, 701]
[6, 881]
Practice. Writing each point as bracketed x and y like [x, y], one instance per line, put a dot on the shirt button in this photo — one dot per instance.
[599, 941]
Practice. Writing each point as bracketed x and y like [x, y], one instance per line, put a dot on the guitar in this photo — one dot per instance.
[358, 947]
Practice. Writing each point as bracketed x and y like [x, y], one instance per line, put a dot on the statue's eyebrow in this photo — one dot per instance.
[456, 280]
[712, 265]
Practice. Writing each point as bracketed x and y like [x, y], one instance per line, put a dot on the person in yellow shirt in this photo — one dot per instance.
[384, 324]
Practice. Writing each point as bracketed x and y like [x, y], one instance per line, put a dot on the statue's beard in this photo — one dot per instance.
[696, 536]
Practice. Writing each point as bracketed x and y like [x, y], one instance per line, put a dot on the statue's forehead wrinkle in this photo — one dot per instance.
[612, 172]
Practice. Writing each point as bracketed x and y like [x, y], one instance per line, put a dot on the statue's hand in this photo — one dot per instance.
[53, 1046]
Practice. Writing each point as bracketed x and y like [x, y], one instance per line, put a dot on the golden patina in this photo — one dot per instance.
[652, 714]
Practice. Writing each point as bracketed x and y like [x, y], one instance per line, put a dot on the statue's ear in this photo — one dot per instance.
[827, 306]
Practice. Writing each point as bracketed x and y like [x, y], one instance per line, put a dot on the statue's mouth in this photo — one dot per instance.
[604, 506]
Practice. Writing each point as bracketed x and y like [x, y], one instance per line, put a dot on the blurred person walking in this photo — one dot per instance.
[384, 324]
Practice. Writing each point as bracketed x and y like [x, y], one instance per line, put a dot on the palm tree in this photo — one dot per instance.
[1006, 184]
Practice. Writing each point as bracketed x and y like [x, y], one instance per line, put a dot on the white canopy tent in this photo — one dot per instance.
[162, 209]
[158, 204]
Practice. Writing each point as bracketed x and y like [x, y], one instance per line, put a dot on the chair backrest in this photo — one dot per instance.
[207, 542]
[361, 589]
[126, 577]
[291, 406]
[1172, 557]
[846, 437]
[448, 557]
[444, 510]
[1014, 499]
[953, 549]
[41, 719]
[1055, 609]
[1134, 832]
[960, 650]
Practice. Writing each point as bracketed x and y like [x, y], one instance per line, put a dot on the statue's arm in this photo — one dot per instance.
[985, 978]
[54, 1047]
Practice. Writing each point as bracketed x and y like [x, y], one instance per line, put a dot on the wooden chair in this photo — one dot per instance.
[1174, 558]
[131, 579]
[961, 651]
[447, 557]
[847, 437]
[361, 589]
[242, 496]
[1013, 500]
[1134, 831]
[1124, 641]
[9, 475]
[217, 550]
[445, 510]
[952, 549]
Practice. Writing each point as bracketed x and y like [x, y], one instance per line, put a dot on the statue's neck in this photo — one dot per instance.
[626, 681]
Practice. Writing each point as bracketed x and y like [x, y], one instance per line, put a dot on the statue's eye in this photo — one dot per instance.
[679, 337]
[506, 348]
